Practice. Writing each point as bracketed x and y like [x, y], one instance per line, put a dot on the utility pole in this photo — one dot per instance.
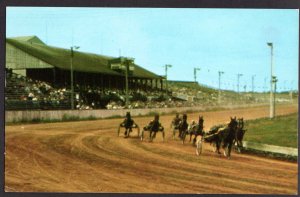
[72, 80]
[195, 73]
[272, 97]
[238, 82]
[219, 97]
[166, 70]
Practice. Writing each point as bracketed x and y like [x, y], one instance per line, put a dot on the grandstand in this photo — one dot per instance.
[30, 59]
[38, 77]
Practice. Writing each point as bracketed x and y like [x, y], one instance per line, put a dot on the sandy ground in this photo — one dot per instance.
[88, 156]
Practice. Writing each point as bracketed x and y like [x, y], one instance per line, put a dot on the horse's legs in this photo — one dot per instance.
[163, 135]
[174, 133]
[142, 135]
[126, 133]
[239, 146]
[183, 136]
[218, 146]
[229, 149]
[195, 138]
[150, 136]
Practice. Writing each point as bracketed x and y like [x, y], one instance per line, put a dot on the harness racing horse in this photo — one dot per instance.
[196, 129]
[183, 128]
[128, 124]
[175, 125]
[240, 132]
[154, 126]
[222, 136]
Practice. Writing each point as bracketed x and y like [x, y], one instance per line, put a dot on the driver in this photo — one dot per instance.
[127, 123]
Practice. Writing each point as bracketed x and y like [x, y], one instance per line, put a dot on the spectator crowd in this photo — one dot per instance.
[25, 93]
[20, 89]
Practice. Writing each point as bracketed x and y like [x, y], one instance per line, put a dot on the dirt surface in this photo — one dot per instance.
[88, 156]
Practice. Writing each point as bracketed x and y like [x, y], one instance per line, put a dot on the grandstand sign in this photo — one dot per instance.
[119, 65]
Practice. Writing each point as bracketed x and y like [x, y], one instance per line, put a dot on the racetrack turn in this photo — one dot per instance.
[87, 156]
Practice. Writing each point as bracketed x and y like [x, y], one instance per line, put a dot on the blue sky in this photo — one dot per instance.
[228, 40]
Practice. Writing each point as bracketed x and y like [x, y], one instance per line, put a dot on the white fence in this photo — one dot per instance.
[271, 148]
[29, 115]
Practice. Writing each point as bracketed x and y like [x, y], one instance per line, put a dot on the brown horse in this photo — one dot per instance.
[183, 128]
[154, 126]
[175, 124]
[239, 135]
[223, 136]
[196, 129]
[128, 124]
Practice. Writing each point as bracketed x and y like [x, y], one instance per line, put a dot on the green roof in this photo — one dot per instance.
[82, 62]
[31, 39]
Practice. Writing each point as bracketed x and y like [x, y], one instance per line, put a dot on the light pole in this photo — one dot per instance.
[284, 87]
[253, 83]
[238, 82]
[265, 84]
[195, 73]
[166, 70]
[265, 89]
[275, 87]
[272, 99]
[72, 80]
[291, 93]
[219, 97]
[127, 62]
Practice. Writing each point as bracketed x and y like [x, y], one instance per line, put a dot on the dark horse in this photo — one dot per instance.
[183, 128]
[128, 124]
[196, 129]
[175, 124]
[239, 135]
[154, 126]
[223, 136]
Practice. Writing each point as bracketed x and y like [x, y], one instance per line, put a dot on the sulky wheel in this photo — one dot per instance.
[142, 135]
[199, 147]
[118, 131]
[138, 129]
[174, 133]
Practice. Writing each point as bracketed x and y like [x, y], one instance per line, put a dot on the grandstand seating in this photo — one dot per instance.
[25, 93]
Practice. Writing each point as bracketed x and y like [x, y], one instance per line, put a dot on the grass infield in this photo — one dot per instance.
[280, 131]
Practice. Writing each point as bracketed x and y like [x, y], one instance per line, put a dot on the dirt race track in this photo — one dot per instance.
[88, 156]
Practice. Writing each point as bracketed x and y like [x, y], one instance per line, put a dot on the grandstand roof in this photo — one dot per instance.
[82, 62]
[31, 39]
